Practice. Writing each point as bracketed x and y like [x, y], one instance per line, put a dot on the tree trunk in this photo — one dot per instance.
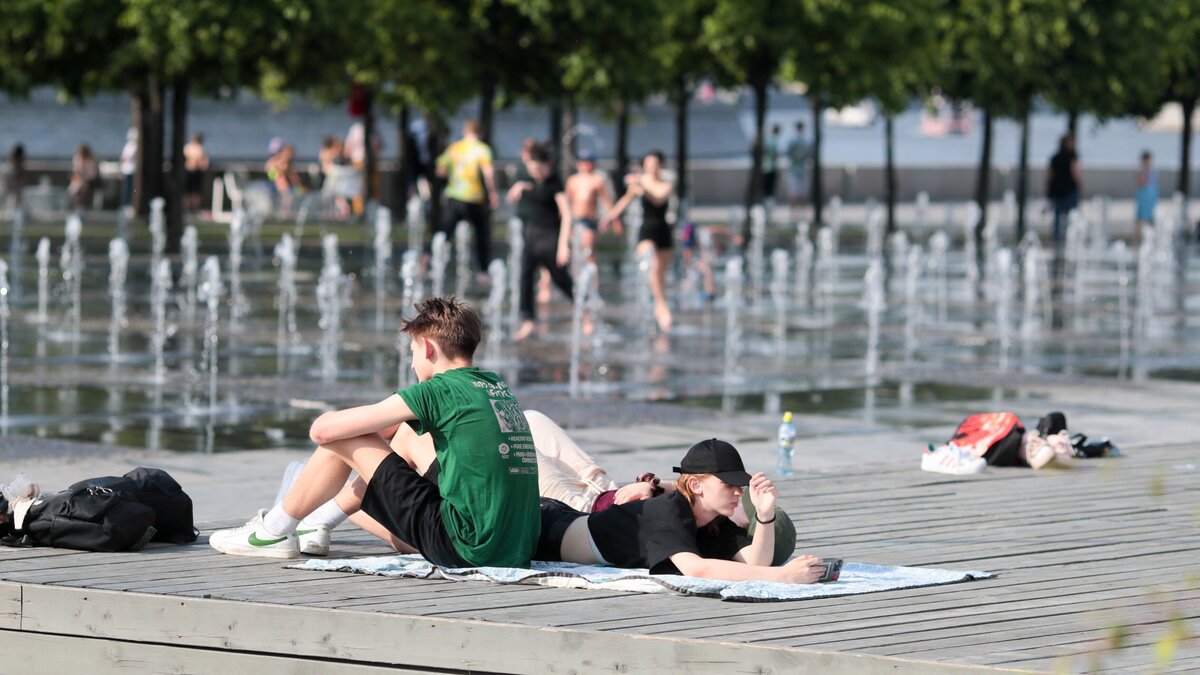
[139, 107]
[889, 135]
[179, 111]
[983, 180]
[566, 162]
[754, 185]
[370, 185]
[1185, 232]
[1185, 160]
[405, 163]
[1073, 125]
[556, 132]
[817, 192]
[682, 97]
[434, 142]
[622, 148]
[487, 105]
[1023, 171]
[151, 145]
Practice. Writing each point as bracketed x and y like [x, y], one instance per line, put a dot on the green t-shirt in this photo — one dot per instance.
[487, 464]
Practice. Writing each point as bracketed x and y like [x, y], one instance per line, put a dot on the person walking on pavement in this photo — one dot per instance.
[470, 190]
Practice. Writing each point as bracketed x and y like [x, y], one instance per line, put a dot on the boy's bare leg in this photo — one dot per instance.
[588, 240]
[416, 450]
[326, 472]
[273, 533]
[349, 500]
[372, 526]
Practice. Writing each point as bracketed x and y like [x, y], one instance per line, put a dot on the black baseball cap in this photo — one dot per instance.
[718, 458]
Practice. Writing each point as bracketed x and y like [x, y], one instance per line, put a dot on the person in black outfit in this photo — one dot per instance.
[547, 220]
[1063, 182]
[655, 238]
[686, 532]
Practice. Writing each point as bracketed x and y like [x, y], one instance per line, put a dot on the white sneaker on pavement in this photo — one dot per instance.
[951, 460]
[249, 539]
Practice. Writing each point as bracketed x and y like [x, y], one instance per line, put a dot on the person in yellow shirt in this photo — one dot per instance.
[467, 167]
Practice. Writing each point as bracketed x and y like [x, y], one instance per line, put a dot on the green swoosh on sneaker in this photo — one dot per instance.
[255, 541]
[301, 533]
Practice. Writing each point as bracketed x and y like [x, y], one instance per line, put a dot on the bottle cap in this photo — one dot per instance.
[787, 417]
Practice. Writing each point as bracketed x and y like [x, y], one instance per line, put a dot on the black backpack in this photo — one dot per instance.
[156, 489]
[90, 518]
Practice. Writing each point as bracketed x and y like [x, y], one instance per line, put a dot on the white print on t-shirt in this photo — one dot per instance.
[497, 390]
[509, 416]
[504, 450]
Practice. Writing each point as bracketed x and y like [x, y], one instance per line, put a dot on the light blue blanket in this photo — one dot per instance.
[855, 578]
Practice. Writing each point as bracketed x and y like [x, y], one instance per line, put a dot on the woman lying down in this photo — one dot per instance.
[687, 531]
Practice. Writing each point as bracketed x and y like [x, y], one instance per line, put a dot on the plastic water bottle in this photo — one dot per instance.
[787, 441]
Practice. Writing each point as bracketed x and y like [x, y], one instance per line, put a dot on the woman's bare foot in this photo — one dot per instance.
[662, 315]
[523, 331]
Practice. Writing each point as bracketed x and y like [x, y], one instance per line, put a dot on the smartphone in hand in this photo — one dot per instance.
[833, 570]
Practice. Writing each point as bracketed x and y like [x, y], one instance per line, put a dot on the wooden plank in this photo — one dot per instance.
[39, 653]
[429, 642]
[10, 606]
[1068, 618]
[832, 610]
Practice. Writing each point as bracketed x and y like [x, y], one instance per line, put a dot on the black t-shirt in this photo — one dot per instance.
[522, 174]
[647, 533]
[542, 219]
[1062, 181]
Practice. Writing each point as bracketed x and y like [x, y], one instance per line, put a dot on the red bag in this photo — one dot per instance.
[994, 436]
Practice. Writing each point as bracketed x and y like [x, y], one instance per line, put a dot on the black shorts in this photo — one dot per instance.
[194, 182]
[659, 233]
[614, 531]
[409, 506]
[556, 518]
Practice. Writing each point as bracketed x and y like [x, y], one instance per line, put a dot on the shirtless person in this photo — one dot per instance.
[585, 189]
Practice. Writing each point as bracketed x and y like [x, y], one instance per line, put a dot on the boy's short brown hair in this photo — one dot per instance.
[449, 322]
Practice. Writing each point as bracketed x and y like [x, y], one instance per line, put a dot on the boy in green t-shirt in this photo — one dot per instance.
[476, 503]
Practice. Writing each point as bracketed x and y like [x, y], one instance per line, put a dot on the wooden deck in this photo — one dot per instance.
[1098, 570]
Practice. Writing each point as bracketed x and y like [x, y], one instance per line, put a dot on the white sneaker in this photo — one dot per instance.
[951, 460]
[313, 540]
[249, 539]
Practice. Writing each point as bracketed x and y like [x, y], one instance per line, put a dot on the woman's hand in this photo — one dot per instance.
[803, 570]
[514, 192]
[563, 257]
[763, 495]
[634, 492]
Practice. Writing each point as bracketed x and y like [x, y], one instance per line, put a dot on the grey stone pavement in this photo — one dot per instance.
[630, 438]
